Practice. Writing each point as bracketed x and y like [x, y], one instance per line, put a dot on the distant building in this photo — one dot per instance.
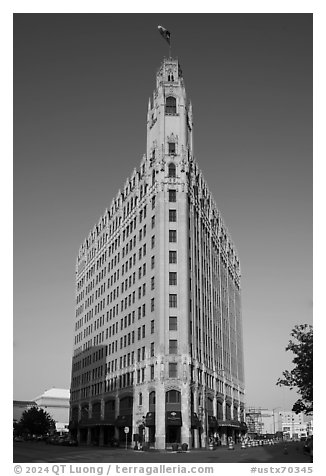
[261, 421]
[254, 420]
[56, 402]
[296, 426]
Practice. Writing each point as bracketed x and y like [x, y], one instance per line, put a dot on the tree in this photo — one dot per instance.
[301, 377]
[36, 421]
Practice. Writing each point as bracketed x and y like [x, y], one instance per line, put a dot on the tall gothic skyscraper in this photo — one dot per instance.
[158, 352]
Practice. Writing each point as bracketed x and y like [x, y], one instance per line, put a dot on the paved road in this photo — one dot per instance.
[29, 452]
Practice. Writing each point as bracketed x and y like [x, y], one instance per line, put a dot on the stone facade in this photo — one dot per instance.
[158, 331]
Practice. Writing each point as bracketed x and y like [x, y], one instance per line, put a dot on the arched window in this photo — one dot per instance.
[126, 403]
[172, 170]
[74, 414]
[173, 396]
[170, 105]
[152, 398]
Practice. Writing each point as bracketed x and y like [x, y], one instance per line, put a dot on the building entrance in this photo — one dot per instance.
[173, 434]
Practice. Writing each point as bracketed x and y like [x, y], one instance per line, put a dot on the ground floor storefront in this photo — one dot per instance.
[158, 419]
[123, 433]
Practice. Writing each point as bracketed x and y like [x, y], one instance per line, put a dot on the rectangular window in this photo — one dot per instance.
[143, 330]
[153, 241]
[171, 148]
[173, 370]
[143, 353]
[152, 372]
[172, 300]
[138, 355]
[152, 304]
[144, 289]
[152, 349]
[153, 221]
[172, 257]
[172, 278]
[139, 333]
[173, 323]
[172, 215]
[152, 283]
[172, 195]
[152, 262]
[153, 202]
[152, 326]
[173, 346]
[172, 236]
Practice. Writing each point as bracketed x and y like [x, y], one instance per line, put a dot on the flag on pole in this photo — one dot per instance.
[165, 33]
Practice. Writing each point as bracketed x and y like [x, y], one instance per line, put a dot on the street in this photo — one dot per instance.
[33, 452]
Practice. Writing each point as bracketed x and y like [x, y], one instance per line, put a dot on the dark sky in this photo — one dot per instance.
[81, 89]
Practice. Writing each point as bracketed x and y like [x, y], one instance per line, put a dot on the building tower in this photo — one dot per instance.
[158, 333]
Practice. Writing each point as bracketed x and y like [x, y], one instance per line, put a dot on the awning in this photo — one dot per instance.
[173, 418]
[212, 422]
[123, 420]
[150, 419]
[195, 422]
[230, 423]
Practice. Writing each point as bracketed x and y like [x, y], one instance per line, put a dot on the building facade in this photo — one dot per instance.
[158, 334]
[55, 402]
[296, 425]
[291, 425]
[262, 422]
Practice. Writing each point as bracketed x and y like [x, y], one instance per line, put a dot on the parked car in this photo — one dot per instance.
[52, 440]
[18, 439]
[70, 442]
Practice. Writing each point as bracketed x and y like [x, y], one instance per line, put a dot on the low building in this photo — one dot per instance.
[56, 403]
[296, 425]
[261, 421]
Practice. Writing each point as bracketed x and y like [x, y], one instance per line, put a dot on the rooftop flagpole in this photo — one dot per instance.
[167, 36]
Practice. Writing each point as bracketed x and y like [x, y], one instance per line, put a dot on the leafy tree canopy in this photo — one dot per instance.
[301, 376]
[36, 421]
